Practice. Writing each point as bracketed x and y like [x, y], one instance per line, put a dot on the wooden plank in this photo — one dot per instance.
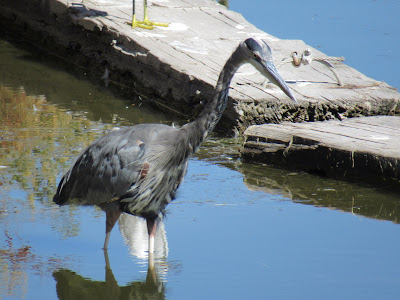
[179, 65]
[364, 148]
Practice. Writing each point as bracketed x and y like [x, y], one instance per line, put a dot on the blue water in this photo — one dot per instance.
[226, 242]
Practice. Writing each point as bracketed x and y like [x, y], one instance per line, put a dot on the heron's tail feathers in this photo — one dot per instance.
[62, 195]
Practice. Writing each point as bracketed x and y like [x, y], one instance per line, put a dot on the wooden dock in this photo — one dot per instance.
[176, 67]
[365, 148]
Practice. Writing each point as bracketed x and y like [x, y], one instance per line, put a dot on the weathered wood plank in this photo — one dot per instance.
[366, 147]
[179, 65]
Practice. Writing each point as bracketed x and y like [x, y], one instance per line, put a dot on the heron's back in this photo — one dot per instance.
[134, 165]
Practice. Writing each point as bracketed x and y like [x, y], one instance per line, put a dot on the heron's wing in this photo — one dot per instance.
[109, 166]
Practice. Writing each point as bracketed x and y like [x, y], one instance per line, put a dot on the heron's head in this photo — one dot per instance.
[259, 54]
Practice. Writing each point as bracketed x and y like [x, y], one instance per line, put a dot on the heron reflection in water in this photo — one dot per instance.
[72, 286]
[138, 169]
[134, 232]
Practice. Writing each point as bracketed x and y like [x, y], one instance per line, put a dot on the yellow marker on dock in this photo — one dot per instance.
[146, 23]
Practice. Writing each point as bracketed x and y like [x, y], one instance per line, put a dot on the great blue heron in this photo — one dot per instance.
[146, 23]
[138, 169]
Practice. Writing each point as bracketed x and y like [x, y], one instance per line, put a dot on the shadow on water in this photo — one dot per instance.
[43, 74]
[360, 199]
[319, 191]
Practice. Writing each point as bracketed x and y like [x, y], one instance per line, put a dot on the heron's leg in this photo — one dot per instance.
[152, 230]
[146, 20]
[112, 215]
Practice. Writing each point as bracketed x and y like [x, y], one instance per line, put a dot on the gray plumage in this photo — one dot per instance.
[138, 169]
[111, 168]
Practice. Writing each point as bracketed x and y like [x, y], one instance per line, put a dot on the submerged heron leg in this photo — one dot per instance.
[152, 230]
[112, 215]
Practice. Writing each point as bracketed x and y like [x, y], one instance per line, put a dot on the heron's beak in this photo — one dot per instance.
[273, 75]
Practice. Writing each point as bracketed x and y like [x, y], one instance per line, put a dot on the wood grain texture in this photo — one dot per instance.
[366, 148]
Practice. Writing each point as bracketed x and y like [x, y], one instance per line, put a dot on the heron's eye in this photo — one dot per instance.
[255, 55]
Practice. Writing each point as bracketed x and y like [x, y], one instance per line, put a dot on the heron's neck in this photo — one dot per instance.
[199, 129]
